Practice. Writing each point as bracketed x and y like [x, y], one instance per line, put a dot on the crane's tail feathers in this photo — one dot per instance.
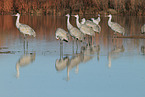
[65, 40]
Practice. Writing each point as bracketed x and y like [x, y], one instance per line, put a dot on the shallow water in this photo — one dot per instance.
[40, 67]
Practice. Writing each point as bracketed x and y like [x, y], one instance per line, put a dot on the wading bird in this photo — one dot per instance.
[61, 34]
[143, 29]
[115, 26]
[74, 32]
[84, 28]
[23, 28]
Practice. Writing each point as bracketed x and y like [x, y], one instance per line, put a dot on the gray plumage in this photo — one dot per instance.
[23, 28]
[96, 21]
[94, 26]
[74, 32]
[143, 29]
[115, 26]
[84, 28]
[61, 34]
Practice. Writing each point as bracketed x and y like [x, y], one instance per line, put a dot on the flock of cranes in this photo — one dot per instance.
[86, 27]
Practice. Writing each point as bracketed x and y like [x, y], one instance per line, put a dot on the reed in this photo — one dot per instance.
[61, 7]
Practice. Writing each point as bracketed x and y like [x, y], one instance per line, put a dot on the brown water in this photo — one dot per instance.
[110, 67]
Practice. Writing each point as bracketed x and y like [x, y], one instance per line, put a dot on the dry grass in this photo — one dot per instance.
[61, 7]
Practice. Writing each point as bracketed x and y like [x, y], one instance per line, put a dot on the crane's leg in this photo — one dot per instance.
[61, 49]
[27, 45]
[94, 40]
[98, 52]
[24, 46]
[84, 40]
[73, 45]
[24, 36]
[89, 40]
[76, 45]
[77, 69]
[68, 74]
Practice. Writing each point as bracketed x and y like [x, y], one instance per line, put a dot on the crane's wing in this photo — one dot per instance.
[62, 34]
[87, 30]
[116, 27]
[97, 28]
[90, 23]
[76, 33]
[25, 29]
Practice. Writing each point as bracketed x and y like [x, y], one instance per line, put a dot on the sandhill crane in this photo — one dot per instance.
[61, 34]
[84, 28]
[115, 26]
[23, 28]
[91, 24]
[96, 21]
[74, 32]
[143, 29]
[24, 61]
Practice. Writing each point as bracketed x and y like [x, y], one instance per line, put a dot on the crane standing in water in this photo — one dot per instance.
[115, 26]
[23, 28]
[74, 32]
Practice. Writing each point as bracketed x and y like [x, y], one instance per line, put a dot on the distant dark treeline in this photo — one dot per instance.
[61, 7]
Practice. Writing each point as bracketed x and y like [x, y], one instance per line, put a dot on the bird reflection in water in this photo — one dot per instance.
[74, 61]
[62, 62]
[85, 54]
[115, 53]
[143, 50]
[25, 59]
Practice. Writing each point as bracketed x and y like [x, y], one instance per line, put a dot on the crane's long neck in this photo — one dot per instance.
[69, 26]
[99, 20]
[17, 21]
[77, 21]
[109, 21]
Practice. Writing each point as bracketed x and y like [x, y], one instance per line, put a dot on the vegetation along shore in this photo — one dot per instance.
[81, 7]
